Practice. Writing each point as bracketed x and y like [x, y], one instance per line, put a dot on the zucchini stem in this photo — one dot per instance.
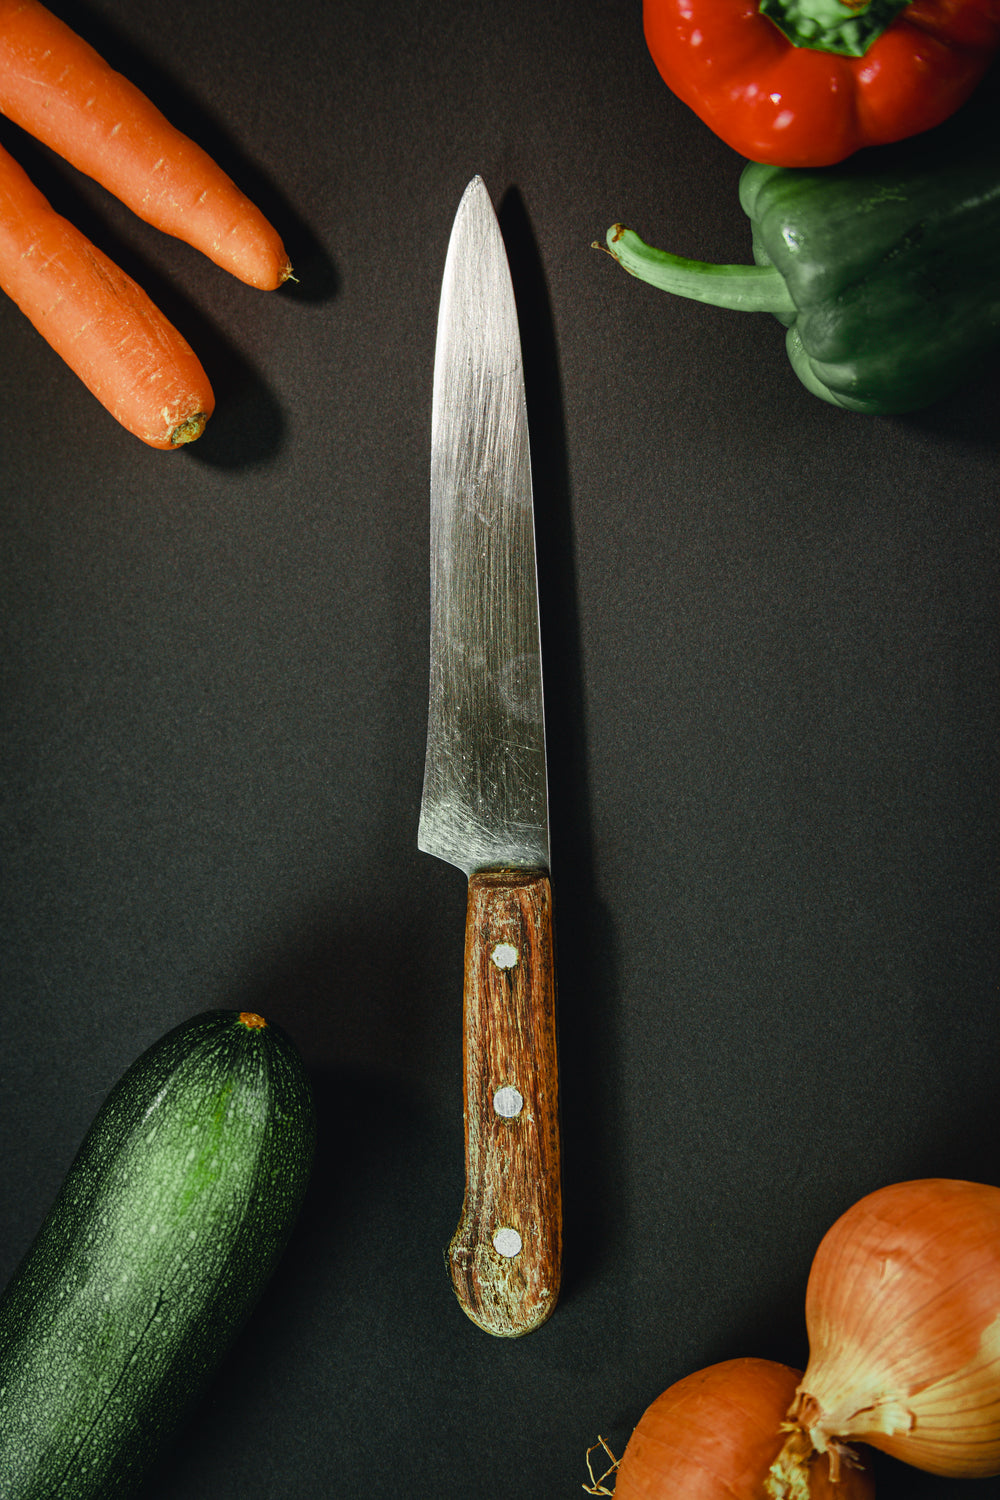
[742, 288]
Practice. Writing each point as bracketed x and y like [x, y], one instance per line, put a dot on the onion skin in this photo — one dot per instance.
[715, 1436]
[903, 1317]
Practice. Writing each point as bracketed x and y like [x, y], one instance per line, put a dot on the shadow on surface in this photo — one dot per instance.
[248, 425]
[363, 1123]
[585, 943]
[380, 1155]
[318, 279]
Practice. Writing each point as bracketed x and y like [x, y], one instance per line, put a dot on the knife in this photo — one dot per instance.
[485, 801]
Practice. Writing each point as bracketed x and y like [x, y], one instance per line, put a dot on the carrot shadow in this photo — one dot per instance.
[318, 280]
[248, 426]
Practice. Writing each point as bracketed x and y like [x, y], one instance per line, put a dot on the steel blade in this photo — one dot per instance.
[484, 801]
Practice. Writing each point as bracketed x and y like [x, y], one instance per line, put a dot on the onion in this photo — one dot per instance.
[903, 1317]
[718, 1434]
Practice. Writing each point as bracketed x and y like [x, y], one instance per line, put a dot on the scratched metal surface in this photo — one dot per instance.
[484, 797]
[772, 668]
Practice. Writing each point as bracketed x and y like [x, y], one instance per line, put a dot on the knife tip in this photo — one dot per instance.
[476, 186]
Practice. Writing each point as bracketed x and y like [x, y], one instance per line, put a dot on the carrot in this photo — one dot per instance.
[97, 319]
[56, 87]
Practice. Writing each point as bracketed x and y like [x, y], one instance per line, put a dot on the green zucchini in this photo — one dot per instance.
[168, 1224]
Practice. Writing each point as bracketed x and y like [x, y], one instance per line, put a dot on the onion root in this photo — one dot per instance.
[596, 1485]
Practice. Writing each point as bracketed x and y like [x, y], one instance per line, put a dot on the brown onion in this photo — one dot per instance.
[903, 1317]
[718, 1434]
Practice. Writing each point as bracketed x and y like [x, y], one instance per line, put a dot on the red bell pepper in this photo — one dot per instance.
[805, 83]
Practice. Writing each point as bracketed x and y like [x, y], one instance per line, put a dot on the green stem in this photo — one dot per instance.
[743, 288]
[848, 27]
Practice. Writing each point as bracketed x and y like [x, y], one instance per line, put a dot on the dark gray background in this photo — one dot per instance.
[771, 651]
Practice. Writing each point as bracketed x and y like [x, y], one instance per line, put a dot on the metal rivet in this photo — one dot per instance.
[504, 955]
[507, 1242]
[508, 1102]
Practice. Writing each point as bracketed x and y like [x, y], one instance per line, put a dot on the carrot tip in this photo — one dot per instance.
[189, 430]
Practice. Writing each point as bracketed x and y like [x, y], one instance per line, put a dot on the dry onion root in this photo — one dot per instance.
[903, 1318]
[719, 1434]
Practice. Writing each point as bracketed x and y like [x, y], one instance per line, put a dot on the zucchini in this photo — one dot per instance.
[165, 1230]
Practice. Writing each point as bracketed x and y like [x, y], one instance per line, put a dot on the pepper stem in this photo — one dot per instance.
[742, 288]
[848, 27]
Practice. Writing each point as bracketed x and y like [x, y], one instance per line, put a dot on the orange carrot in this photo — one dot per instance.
[98, 320]
[56, 87]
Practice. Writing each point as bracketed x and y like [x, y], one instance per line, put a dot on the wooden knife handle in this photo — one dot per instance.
[506, 1255]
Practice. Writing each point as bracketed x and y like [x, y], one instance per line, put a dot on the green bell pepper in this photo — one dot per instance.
[886, 272]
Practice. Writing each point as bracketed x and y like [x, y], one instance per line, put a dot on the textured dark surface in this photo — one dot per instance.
[771, 648]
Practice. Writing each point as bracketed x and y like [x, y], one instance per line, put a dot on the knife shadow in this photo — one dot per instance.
[586, 949]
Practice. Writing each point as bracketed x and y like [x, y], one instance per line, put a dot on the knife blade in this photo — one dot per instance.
[485, 800]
